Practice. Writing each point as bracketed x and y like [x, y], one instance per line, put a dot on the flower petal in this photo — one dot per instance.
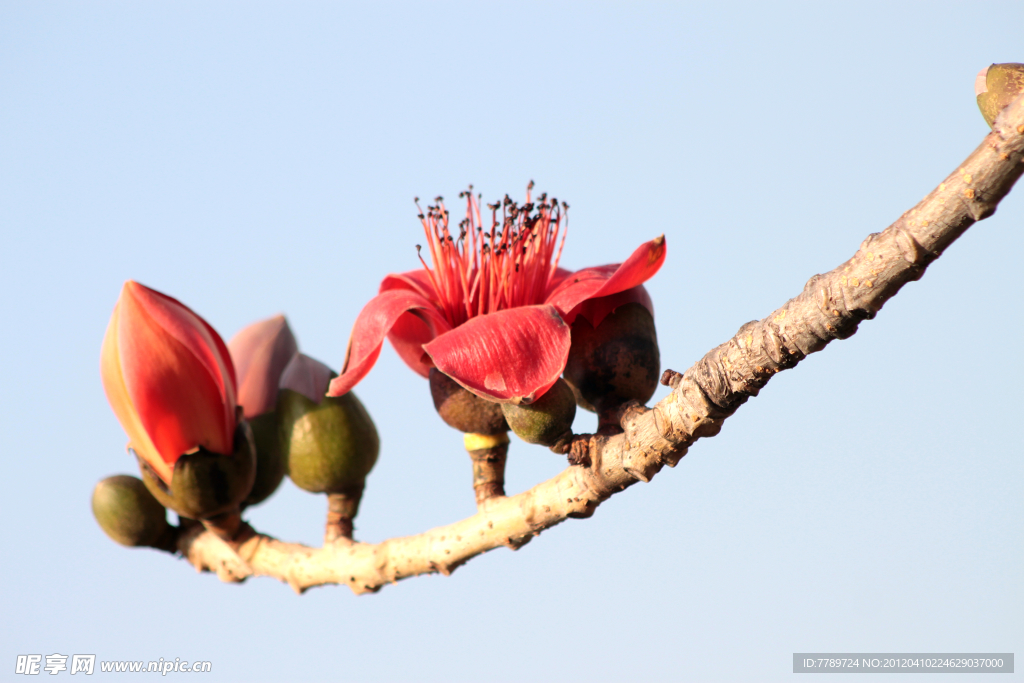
[121, 402]
[590, 283]
[415, 280]
[178, 374]
[596, 310]
[307, 376]
[513, 355]
[408, 335]
[260, 353]
[376, 319]
[557, 279]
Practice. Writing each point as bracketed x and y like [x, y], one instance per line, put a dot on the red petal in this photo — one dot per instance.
[415, 280]
[121, 402]
[260, 353]
[596, 310]
[509, 356]
[408, 335]
[376, 319]
[177, 372]
[557, 279]
[590, 283]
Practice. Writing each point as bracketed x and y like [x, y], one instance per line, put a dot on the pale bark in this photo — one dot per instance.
[830, 307]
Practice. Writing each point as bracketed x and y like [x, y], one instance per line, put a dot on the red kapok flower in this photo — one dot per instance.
[493, 313]
[168, 377]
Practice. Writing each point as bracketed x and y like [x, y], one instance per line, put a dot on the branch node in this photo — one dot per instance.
[442, 569]
[579, 451]
[671, 378]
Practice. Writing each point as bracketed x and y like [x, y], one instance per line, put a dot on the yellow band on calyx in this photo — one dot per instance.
[475, 442]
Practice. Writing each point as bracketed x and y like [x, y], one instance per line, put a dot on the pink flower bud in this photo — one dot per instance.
[168, 377]
[260, 353]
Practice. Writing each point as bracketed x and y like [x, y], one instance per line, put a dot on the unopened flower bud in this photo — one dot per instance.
[463, 410]
[129, 514]
[996, 87]
[617, 361]
[546, 421]
[169, 378]
[330, 444]
[260, 353]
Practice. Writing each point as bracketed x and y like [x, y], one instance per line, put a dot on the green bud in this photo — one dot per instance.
[329, 446]
[270, 464]
[617, 362]
[996, 87]
[547, 420]
[128, 512]
[206, 484]
[464, 410]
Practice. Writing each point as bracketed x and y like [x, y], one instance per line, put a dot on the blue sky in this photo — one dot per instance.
[256, 158]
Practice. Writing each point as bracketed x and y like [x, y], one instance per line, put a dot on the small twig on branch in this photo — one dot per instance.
[830, 307]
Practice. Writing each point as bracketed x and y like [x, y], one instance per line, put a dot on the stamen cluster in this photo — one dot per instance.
[510, 265]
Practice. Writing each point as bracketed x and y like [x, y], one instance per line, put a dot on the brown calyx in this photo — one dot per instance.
[464, 410]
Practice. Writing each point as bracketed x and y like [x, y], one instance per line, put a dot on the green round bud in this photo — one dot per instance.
[206, 484]
[464, 410]
[998, 86]
[547, 420]
[329, 447]
[617, 362]
[128, 512]
[270, 463]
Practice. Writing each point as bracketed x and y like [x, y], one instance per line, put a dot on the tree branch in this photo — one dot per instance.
[831, 306]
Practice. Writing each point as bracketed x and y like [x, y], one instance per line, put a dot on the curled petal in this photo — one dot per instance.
[596, 310]
[260, 353]
[307, 376]
[600, 281]
[375, 321]
[414, 280]
[513, 355]
[413, 329]
[408, 335]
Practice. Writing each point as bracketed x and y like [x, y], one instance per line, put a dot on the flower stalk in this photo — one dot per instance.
[488, 453]
[342, 508]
